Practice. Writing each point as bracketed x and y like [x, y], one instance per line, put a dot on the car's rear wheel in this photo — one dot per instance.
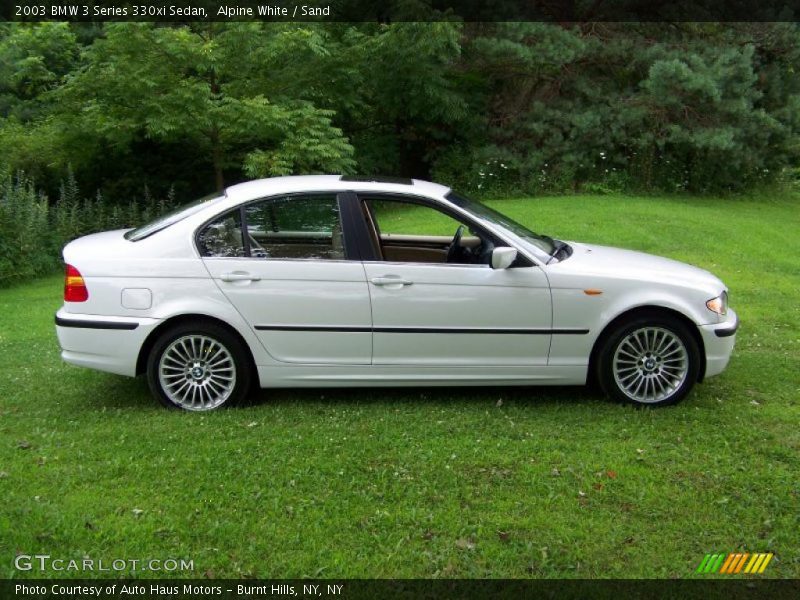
[652, 359]
[199, 368]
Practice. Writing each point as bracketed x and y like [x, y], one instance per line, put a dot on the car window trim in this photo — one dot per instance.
[244, 232]
[354, 232]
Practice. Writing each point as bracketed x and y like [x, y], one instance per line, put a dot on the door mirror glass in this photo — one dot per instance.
[503, 257]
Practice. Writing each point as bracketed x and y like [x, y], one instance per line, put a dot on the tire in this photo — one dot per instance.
[199, 367]
[650, 360]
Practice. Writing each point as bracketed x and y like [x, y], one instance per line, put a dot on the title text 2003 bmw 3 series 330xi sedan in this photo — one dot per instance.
[345, 281]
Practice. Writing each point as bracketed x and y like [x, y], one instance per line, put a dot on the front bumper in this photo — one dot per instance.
[110, 344]
[719, 340]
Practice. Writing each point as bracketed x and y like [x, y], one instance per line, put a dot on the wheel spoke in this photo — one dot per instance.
[636, 340]
[665, 382]
[180, 386]
[187, 349]
[201, 390]
[216, 387]
[679, 350]
[176, 376]
[660, 348]
[186, 392]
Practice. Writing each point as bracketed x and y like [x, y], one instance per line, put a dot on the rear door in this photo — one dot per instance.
[285, 265]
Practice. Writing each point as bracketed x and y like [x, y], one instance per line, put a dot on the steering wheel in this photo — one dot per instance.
[453, 248]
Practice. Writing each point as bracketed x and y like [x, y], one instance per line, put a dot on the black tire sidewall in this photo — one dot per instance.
[220, 334]
[605, 372]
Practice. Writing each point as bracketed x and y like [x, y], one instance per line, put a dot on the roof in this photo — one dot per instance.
[331, 183]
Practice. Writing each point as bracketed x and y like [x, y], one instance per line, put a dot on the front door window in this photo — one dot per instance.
[408, 231]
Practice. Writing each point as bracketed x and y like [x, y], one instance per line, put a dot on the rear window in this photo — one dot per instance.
[173, 217]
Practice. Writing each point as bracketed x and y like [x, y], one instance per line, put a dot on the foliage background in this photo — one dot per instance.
[138, 111]
[500, 107]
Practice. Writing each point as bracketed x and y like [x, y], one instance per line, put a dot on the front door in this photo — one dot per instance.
[290, 278]
[434, 305]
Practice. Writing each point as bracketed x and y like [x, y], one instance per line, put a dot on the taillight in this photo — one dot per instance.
[74, 286]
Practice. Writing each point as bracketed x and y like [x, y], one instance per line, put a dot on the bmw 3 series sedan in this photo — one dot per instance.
[323, 281]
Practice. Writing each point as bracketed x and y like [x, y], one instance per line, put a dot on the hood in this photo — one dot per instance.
[630, 264]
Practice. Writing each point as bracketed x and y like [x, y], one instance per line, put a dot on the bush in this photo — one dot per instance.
[26, 249]
[33, 231]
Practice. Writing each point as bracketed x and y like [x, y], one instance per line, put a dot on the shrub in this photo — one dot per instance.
[26, 248]
[33, 231]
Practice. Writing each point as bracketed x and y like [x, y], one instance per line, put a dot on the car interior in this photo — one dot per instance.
[403, 231]
[300, 227]
[222, 238]
[303, 228]
[297, 244]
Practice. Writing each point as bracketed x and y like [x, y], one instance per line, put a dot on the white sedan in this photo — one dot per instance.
[347, 281]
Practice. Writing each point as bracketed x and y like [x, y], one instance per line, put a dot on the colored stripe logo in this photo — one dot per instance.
[735, 562]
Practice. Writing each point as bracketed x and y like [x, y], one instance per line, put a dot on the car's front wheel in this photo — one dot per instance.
[652, 359]
[198, 367]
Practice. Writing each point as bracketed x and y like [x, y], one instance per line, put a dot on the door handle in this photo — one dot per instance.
[390, 280]
[238, 276]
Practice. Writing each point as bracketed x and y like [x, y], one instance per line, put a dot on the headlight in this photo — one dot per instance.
[719, 304]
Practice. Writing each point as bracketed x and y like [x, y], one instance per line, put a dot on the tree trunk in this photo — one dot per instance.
[216, 159]
[216, 146]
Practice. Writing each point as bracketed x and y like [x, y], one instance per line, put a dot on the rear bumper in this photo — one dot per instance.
[719, 340]
[104, 343]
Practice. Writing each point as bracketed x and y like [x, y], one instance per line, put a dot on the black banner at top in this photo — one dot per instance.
[562, 11]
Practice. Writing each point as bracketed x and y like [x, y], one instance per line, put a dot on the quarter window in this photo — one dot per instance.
[295, 227]
[223, 237]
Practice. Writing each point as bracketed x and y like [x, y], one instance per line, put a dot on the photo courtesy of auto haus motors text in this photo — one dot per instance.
[159, 590]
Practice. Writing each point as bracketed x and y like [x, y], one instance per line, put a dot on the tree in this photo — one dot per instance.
[692, 106]
[33, 59]
[397, 92]
[224, 91]
[503, 107]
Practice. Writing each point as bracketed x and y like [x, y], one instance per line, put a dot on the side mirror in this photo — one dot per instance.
[503, 257]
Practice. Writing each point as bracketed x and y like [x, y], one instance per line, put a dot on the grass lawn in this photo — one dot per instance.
[550, 482]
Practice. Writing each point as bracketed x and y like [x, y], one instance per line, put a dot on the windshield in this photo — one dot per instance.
[542, 242]
[171, 218]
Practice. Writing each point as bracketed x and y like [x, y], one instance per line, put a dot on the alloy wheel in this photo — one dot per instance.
[650, 364]
[197, 372]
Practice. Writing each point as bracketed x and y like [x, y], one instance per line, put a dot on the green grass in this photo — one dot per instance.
[430, 483]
